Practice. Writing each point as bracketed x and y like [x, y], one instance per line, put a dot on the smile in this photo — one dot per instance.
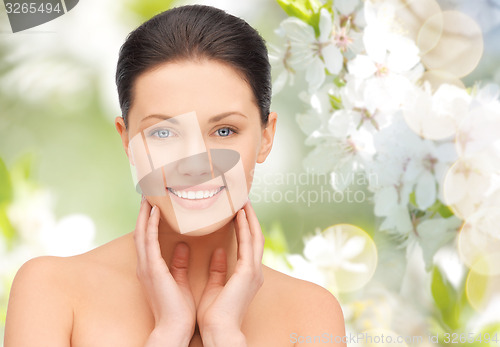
[195, 195]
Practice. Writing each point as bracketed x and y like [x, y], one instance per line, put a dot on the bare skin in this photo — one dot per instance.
[156, 287]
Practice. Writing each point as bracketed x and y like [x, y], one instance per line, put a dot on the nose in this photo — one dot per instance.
[195, 165]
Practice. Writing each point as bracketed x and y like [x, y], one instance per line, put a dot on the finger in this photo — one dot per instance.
[245, 249]
[180, 263]
[140, 231]
[153, 252]
[256, 232]
[251, 216]
[218, 269]
[144, 211]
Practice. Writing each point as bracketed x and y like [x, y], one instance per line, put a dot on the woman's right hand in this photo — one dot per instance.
[167, 291]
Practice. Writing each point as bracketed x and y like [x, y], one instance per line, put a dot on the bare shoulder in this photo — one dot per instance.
[55, 274]
[102, 266]
[305, 296]
[39, 303]
[46, 289]
[315, 310]
[42, 274]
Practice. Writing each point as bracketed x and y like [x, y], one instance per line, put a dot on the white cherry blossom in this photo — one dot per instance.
[478, 132]
[346, 7]
[368, 112]
[432, 234]
[436, 116]
[384, 39]
[427, 169]
[279, 57]
[312, 53]
[320, 249]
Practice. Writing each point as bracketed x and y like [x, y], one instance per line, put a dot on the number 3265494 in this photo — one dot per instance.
[470, 338]
[32, 7]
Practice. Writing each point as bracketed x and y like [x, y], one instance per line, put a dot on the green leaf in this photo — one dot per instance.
[436, 329]
[443, 210]
[335, 102]
[144, 10]
[296, 8]
[5, 184]
[445, 297]
[339, 82]
[413, 199]
[465, 309]
[6, 228]
[23, 167]
[301, 9]
[492, 329]
[275, 239]
[306, 10]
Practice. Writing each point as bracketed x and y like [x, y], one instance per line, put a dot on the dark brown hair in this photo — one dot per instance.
[195, 32]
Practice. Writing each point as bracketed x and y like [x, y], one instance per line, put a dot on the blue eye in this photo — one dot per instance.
[161, 133]
[224, 132]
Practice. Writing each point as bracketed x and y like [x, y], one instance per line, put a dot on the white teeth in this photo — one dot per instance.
[195, 195]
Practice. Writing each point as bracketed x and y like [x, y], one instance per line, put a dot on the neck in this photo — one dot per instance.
[201, 249]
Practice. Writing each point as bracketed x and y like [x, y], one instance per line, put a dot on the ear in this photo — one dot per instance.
[267, 137]
[122, 130]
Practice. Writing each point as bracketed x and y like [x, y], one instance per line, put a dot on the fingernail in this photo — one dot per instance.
[143, 198]
[152, 210]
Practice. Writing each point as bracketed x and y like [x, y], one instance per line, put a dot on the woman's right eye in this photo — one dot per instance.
[162, 133]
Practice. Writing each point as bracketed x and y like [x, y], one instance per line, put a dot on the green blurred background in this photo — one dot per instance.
[58, 102]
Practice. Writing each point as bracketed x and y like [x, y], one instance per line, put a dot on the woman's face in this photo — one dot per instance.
[194, 136]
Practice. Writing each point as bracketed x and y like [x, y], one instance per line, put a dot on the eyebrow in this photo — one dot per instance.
[161, 116]
[213, 119]
[220, 116]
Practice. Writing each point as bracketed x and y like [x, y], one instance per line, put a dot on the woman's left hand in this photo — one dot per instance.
[223, 305]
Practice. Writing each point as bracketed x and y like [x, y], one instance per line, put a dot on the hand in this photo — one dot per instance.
[223, 305]
[167, 291]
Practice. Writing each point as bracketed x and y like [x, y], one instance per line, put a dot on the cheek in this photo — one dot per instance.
[167, 213]
[248, 159]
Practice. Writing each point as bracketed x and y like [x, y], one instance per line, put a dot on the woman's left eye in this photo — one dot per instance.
[224, 132]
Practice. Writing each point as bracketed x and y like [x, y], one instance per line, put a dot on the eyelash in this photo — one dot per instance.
[229, 128]
[154, 133]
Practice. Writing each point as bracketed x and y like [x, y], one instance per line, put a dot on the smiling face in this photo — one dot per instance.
[194, 135]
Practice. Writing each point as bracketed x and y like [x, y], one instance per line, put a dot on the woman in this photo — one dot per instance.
[194, 88]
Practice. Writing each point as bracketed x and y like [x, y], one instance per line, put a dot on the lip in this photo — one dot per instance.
[197, 187]
[196, 204]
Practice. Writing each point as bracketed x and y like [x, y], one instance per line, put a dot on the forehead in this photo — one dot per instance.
[206, 87]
